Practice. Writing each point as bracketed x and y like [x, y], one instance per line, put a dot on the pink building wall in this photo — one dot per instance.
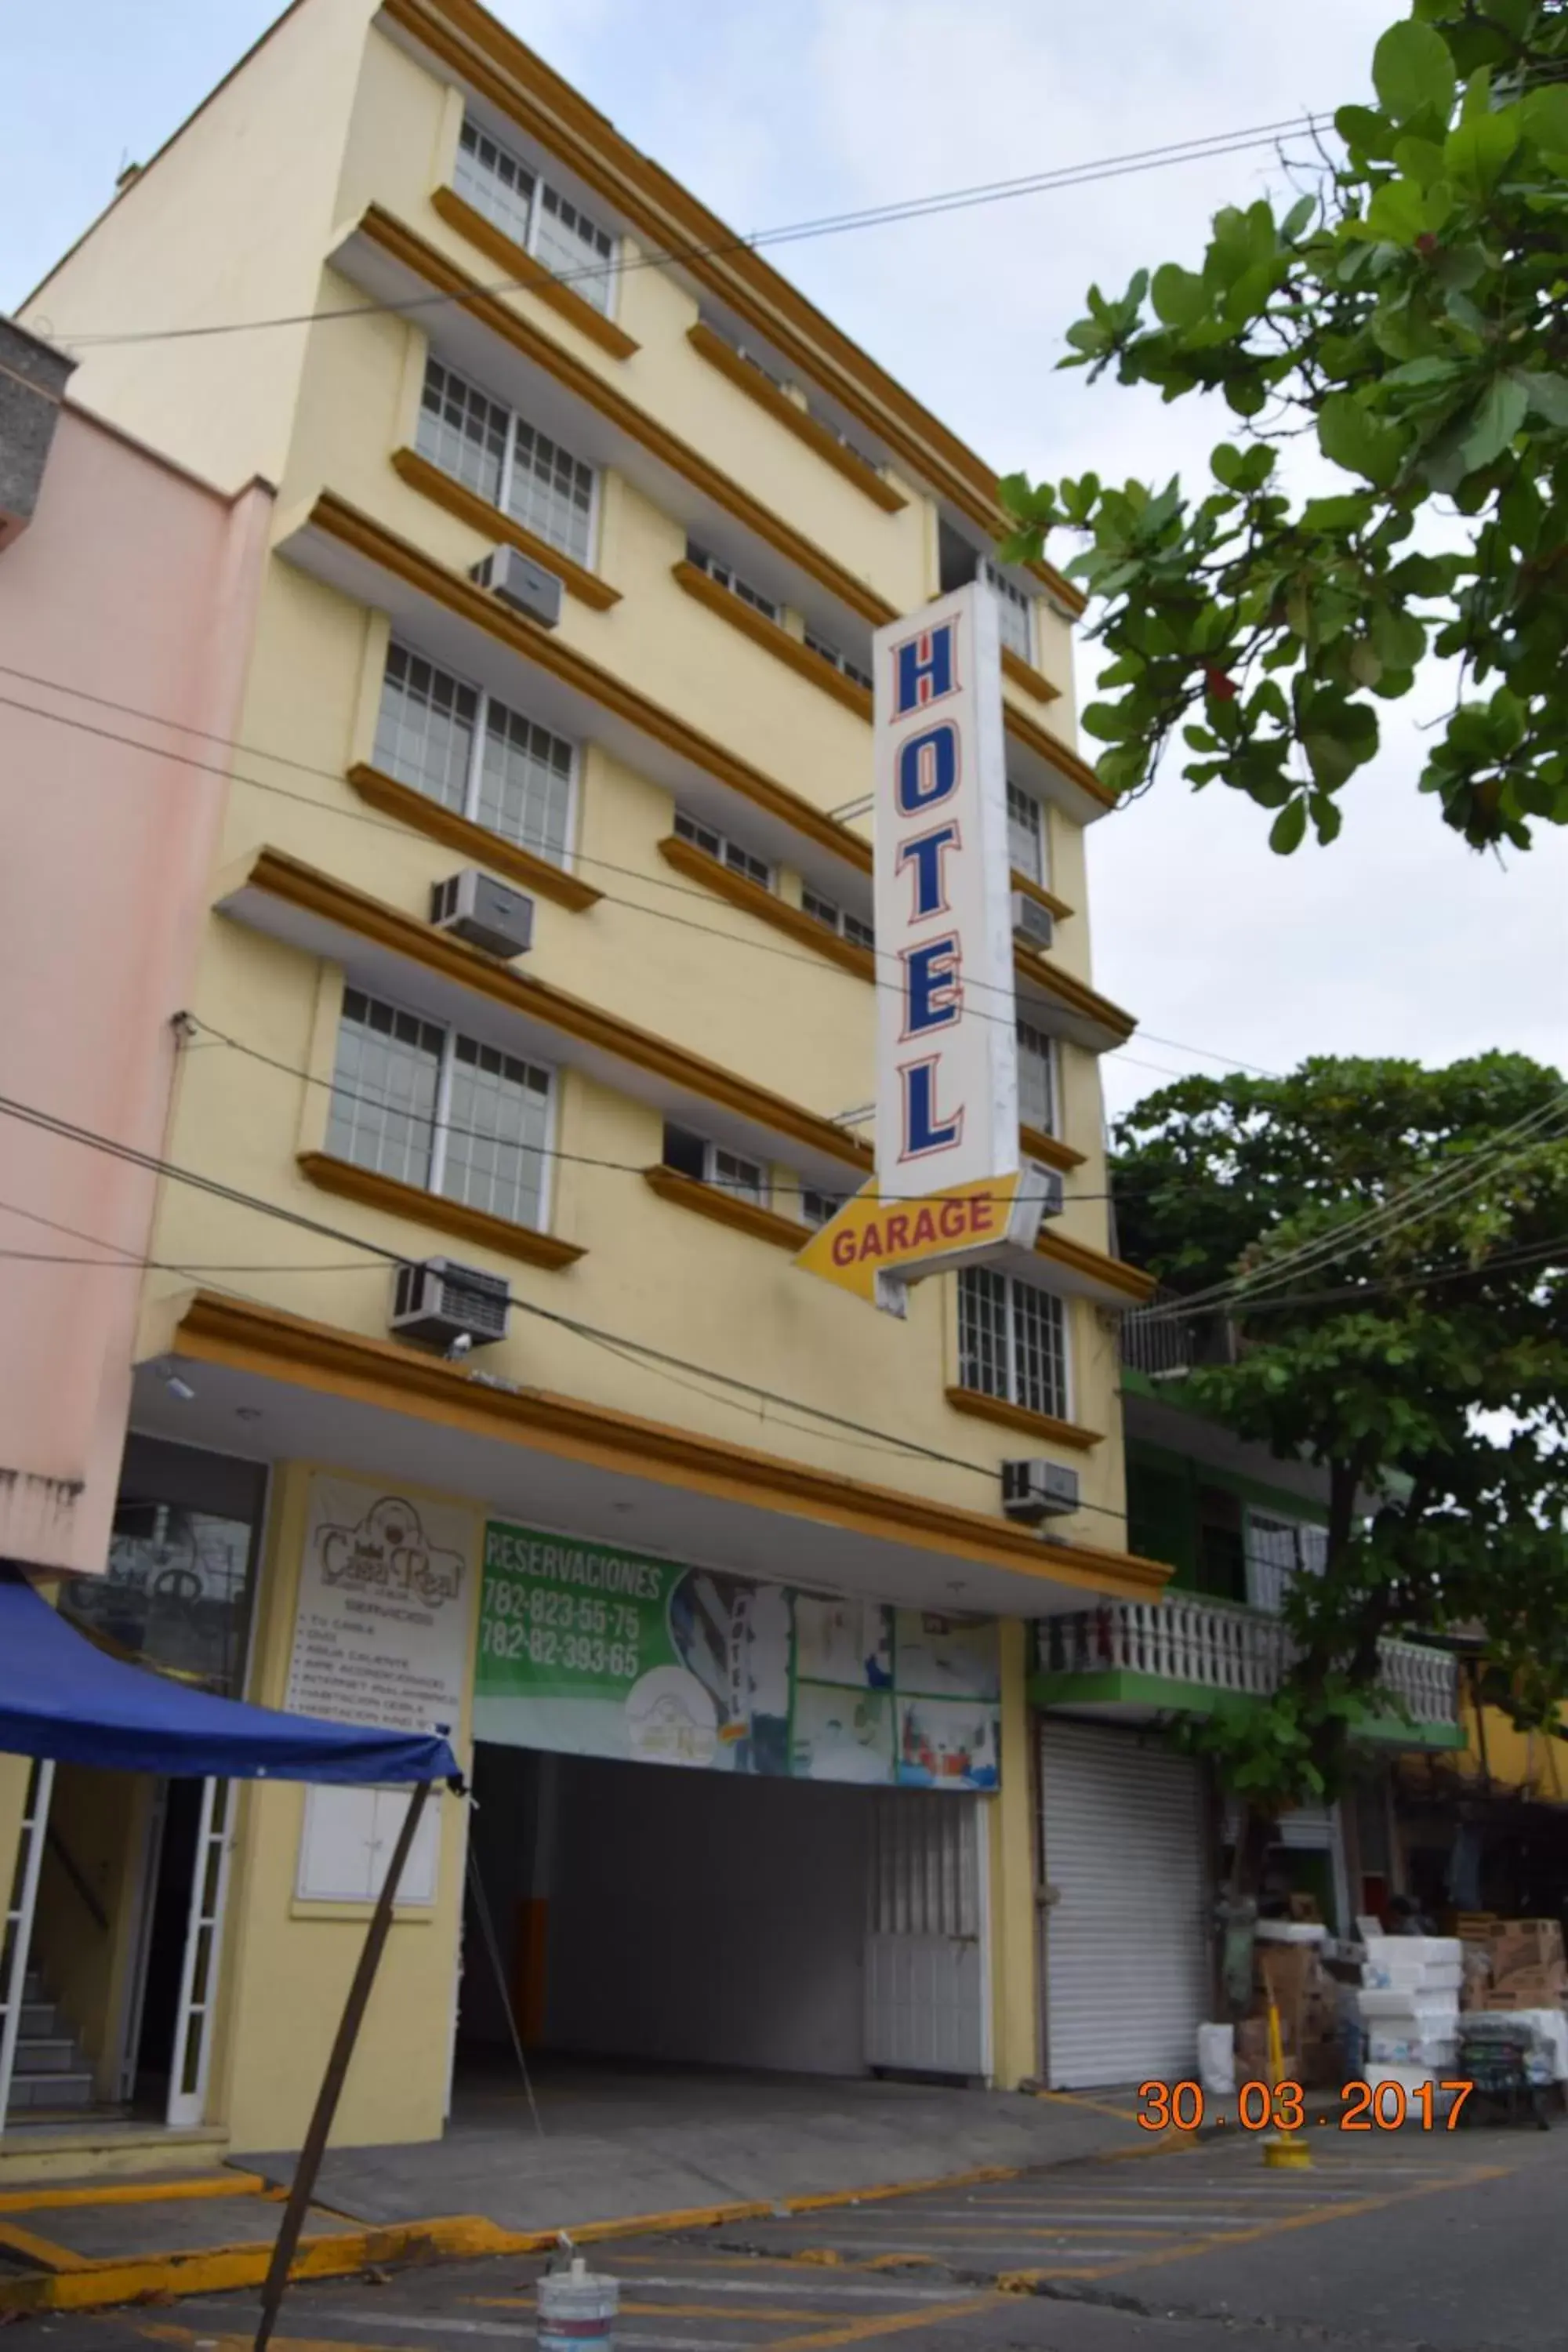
[136, 583]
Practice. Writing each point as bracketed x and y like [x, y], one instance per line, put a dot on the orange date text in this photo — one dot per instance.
[1281, 2107]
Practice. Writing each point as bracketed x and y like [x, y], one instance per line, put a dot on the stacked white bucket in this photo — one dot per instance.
[1409, 2002]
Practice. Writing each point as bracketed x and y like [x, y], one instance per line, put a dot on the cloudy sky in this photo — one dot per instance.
[1397, 939]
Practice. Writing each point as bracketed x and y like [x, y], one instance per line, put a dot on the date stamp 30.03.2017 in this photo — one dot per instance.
[1282, 2107]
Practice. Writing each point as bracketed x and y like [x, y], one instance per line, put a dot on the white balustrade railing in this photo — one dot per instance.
[1219, 1645]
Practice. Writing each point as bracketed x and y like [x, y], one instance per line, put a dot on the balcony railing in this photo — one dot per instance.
[1217, 1646]
[1163, 1344]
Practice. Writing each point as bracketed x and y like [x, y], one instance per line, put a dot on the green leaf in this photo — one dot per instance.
[1398, 640]
[1412, 70]
[1420, 160]
[1477, 152]
[1348, 513]
[1349, 436]
[1327, 815]
[1180, 298]
[1108, 720]
[1545, 117]
[1498, 415]
[1548, 396]
[1298, 218]
[1288, 828]
[1365, 132]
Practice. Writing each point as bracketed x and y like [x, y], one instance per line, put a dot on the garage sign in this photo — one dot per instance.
[947, 1188]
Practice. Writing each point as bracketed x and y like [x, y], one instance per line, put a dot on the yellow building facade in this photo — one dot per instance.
[584, 520]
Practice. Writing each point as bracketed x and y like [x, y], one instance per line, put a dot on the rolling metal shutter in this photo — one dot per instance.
[1126, 1937]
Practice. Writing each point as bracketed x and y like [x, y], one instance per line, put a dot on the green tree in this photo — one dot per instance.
[1389, 1245]
[1408, 312]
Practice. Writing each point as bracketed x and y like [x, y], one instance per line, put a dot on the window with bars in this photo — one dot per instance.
[708, 1162]
[835, 660]
[509, 463]
[421, 1104]
[833, 919]
[1277, 1551]
[464, 748]
[725, 578]
[1025, 834]
[1012, 1341]
[818, 1208]
[1037, 1078]
[727, 852]
[1016, 612]
[535, 216]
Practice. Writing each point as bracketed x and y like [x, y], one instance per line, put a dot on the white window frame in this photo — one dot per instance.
[725, 576]
[441, 1109]
[473, 782]
[835, 917]
[761, 1198]
[1012, 598]
[539, 180]
[516, 422]
[1041, 1041]
[1040, 874]
[1267, 1580]
[828, 1205]
[732, 855]
[826, 650]
[1013, 1283]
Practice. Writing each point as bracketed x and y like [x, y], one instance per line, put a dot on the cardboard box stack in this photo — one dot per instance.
[1287, 1967]
[1409, 2003]
[1525, 1966]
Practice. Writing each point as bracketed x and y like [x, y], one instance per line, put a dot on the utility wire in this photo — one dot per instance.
[1441, 1188]
[914, 209]
[68, 1130]
[385, 824]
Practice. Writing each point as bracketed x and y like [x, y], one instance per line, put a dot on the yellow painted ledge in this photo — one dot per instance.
[218, 1330]
[1043, 1425]
[774, 639]
[372, 1190]
[293, 883]
[794, 417]
[1076, 1257]
[406, 246]
[530, 274]
[456, 497]
[478, 50]
[767, 905]
[1042, 896]
[422, 815]
[336, 519]
[1024, 673]
[726, 1209]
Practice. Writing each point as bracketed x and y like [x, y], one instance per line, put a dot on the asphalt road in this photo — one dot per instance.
[1448, 2242]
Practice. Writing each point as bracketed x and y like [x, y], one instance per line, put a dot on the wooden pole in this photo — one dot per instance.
[310, 2155]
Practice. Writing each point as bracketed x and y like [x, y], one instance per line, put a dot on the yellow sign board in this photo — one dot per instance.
[873, 1247]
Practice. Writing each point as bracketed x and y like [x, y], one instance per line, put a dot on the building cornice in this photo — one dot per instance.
[272, 1345]
[760, 388]
[531, 275]
[1096, 1266]
[470, 42]
[374, 1190]
[423, 815]
[1045, 1426]
[291, 882]
[469, 507]
[726, 1209]
[772, 637]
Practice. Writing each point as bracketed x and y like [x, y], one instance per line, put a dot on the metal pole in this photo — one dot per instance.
[327, 2099]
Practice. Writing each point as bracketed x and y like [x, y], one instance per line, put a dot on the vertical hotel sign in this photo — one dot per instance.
[949, 1187]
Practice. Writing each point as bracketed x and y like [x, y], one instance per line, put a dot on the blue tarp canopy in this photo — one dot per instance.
[62, 1696]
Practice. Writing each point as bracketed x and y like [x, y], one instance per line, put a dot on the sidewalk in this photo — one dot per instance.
[615, 2150]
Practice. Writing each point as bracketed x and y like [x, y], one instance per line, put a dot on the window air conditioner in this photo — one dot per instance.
[486, 913]
[1046, 1185]
[1032, 924]
[440, 1303]
[521, 583]
[1033, 1491]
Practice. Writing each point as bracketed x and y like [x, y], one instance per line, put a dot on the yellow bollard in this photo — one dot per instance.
[1283, 2152]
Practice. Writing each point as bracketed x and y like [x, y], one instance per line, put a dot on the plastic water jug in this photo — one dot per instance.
[574, 2307]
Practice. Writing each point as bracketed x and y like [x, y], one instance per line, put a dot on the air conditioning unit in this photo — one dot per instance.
[486, 913]
[528, 587]
[440, 1303]
[1032, 924]
[1033, 1491]
[1045, 1186]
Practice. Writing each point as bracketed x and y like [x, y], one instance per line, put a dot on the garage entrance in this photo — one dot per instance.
[697, 1917]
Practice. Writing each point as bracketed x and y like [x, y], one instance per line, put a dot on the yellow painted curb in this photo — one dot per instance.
[43, 2198]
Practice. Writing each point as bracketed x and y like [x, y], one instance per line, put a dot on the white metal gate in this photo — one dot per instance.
[1124, 1860]
[192, 2057]
[928, 2008]
[15, 1949]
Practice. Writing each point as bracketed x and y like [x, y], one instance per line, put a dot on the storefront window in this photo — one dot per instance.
[176, 1596]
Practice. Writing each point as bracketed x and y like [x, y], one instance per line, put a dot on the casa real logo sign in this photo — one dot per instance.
[949, 1187]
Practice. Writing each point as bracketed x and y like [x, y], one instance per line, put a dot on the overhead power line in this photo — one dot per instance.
[913, 209]
[226, 773]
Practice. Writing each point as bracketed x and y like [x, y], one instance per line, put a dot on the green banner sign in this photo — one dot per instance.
[589, 1651]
